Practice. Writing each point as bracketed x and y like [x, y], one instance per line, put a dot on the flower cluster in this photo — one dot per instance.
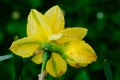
[46, 33]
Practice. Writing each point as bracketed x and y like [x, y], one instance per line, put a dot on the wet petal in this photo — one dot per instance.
[24, 47]
[55, 19]
[36, 26]
[56, 66]
[72, 33]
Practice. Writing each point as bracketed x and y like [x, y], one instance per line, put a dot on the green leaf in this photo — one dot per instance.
[107, 70]
[2, 58]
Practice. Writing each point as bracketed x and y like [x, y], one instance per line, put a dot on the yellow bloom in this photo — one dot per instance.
[49, 28]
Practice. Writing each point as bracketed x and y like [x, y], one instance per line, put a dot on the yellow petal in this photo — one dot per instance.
[80, 54]
[64, 40]
[56, 66]
[75, 32]
[55, 36]
[72, 33]
[55, 19]
[37, 58]
[37, 27]
[24, 47]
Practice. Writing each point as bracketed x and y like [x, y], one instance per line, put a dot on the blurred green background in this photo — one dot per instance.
[101, 17]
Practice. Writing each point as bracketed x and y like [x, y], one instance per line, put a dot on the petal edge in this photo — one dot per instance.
[24, 47]
[55, 18]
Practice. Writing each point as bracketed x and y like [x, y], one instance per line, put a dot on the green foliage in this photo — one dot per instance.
[101, 17]
[16, 27]
[82, 75]
[1, 36]
[6, 57]
[107, 70]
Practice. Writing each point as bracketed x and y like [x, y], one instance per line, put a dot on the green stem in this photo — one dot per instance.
[55, 48]
[45, 57]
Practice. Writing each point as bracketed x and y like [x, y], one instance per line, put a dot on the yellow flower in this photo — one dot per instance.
[49, 28]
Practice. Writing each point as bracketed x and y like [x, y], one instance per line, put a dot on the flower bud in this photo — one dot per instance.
[79, 54]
